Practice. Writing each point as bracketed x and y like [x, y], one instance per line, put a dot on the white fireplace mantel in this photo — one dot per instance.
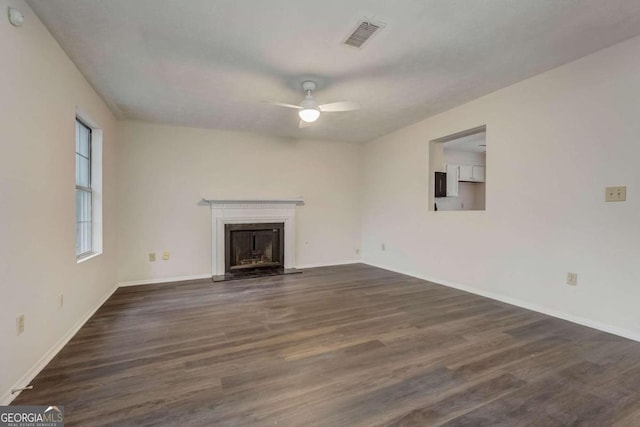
[243, 211]
[253, 202]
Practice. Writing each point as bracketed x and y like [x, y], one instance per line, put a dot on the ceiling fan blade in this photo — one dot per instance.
[283, 104]
[339, 106]
[303, 124]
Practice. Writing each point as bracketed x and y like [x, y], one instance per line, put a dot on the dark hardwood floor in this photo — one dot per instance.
[336, 346]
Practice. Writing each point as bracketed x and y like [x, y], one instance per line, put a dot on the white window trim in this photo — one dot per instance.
[96, 186]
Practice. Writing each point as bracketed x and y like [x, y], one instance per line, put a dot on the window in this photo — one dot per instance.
[88, 155]
[84, 191]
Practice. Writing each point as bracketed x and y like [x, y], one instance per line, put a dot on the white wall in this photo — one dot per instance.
[167, 170]
[470, 197]
[40, 89]
[554, 142]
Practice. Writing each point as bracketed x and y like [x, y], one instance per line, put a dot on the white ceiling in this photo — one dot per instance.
[476, 143]
[211, 63]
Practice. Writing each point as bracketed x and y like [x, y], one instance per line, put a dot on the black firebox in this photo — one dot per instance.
[249, 247]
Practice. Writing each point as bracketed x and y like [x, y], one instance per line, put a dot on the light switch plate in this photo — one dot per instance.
[165, 255]
[572, 279]
[615, 194]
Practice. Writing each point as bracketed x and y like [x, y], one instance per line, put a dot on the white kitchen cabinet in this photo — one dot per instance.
[478, 173]
[466, 173]
[463, 173]
[453, 176]
[470, 173]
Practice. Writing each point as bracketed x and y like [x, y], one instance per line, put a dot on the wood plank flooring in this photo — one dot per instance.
[336, 346]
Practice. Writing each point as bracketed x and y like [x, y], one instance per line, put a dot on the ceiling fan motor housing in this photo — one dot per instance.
[308, 103]
[308, 85]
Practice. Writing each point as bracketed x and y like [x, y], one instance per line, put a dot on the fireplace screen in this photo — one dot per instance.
[250, 246]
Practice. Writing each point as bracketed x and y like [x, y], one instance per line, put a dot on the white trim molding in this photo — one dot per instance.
[160, 280]
[248, 211]
[252, 202]
[331, 264]
[26, 379]
[615, 330]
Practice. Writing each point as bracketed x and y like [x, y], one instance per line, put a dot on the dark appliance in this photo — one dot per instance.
[440, 184]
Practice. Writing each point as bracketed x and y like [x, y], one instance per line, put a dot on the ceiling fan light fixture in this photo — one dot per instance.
[309, 110]
[309, 115]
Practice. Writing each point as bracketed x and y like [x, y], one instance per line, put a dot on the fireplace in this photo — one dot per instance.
[253, 246]
[251, 211]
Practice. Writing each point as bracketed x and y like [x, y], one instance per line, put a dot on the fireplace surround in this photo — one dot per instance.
[251, 211]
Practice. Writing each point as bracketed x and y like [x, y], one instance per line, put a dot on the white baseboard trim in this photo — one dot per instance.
[164, 280]
[356, 261]
[625, 333]
[208, 275]
[7, 397]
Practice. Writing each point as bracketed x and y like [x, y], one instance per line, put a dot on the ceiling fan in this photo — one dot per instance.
[309, 109]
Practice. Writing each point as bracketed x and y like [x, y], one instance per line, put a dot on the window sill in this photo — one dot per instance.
[87, 257]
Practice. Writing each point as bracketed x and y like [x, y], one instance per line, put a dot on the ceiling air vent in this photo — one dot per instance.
[363, 32]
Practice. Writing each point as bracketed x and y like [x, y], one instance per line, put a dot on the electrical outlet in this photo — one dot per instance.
[60, 301]
[615, 194]
[165, 255]
[19, 324]
[152, 257]
[383, 247]
[572, 279]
